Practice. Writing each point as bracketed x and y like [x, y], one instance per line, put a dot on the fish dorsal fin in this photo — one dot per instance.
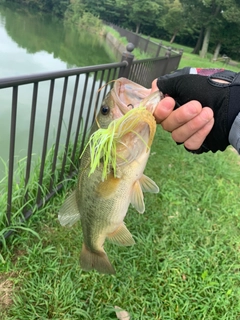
[69, 213]
[148, 185]
[121, 236]
[137, 197]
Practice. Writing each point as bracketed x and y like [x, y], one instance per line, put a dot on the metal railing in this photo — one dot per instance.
[145, 45]
[59, 105]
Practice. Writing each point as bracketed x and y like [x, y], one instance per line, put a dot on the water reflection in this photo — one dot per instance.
[42, 33]
[34, 43]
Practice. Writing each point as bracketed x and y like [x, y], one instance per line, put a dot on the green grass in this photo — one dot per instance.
[193, 60]
[21, 203]
[185, 264]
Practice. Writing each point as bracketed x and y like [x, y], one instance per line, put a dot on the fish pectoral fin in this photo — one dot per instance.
[95, 260]
[148, 185]
[137, 197]
[107, 187]
[121, 236]
[69, 213]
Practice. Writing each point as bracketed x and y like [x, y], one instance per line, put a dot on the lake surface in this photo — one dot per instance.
[34, 43]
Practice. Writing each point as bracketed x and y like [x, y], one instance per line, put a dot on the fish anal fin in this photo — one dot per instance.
[121, 236]
[69, 213]
[148, 185]
[99, 261]
[137, 197]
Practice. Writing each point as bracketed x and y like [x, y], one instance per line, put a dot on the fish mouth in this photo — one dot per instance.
[129, 95]
[135, 136]
[123, 141]
[130, 129]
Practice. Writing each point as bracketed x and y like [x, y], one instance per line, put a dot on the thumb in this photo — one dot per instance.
[154, 86]
[170, 86]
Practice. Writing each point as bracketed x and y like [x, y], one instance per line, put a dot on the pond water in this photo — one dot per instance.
[34, 43]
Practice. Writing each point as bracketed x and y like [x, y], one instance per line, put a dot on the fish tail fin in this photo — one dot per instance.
[95, 260]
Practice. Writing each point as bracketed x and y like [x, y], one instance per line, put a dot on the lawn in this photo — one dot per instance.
[193, 60]
[185, 263]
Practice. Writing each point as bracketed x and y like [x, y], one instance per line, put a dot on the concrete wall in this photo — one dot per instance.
[117, 47]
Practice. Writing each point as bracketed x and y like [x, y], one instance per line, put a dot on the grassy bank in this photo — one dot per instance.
[185, 264]
[137, 53]
[24, 197]
[193, 60]
[188, 59]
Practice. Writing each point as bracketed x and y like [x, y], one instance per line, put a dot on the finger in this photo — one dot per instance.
[154, 86]
[196, 140]
[190, 128]
[164, 109]
[182, 115]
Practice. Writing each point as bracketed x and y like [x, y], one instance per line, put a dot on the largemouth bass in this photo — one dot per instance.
[111, 172]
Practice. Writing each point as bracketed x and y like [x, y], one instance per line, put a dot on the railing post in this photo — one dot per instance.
[147, 42]
[158, 49]
[181, 51]
[128, 57]
[167, 56]
[168, 52]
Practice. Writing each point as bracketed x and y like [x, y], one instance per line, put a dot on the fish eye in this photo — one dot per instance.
[105, 110]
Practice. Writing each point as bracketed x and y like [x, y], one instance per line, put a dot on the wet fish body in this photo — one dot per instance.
[102, 204]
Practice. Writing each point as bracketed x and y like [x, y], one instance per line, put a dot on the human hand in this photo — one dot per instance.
[188, 124]
[192, 124]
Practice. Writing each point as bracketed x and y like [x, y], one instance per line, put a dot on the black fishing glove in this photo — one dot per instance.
[223, 98]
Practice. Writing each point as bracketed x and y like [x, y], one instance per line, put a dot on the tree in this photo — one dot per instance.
[104, 9]
[74, 11]
[57, 7]
[223, 41]
[214, 9]
[210, 15]
[141, 12]
[174, 18]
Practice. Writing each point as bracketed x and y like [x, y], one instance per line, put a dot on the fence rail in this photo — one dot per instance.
[58, 109]
[146, 45]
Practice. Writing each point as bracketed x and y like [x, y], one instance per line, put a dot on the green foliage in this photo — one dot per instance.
[140, 11]
[57, 7]
[24, 196]
[104, 9]
[90, 22]
[42, 32]
[180, 20]
[183, 19]
[174, 19]
[76, 14]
